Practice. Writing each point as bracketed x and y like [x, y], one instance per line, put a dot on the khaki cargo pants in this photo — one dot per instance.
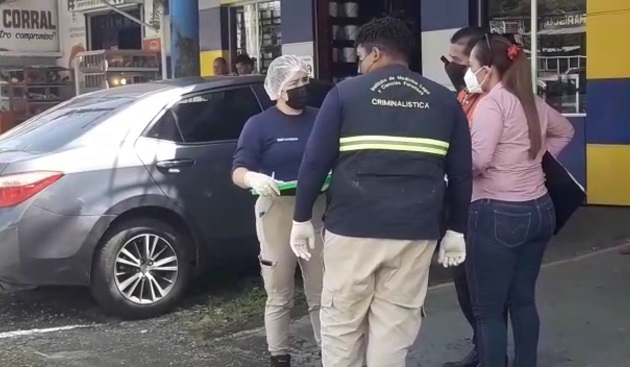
[372, 299]
[274, 219]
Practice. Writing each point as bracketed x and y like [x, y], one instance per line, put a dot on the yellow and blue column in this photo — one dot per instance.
[608, 102]
[213, 33]
[184, 17]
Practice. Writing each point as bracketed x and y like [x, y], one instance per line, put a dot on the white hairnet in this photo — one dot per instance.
[280, 72]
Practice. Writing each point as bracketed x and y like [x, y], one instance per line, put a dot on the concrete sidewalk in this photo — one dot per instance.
[584, 304]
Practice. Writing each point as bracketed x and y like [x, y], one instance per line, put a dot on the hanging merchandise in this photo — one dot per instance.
[103, 69]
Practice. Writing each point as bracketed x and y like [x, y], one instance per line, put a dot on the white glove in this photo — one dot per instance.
[262, 184]
[452, 249]
[302, 239]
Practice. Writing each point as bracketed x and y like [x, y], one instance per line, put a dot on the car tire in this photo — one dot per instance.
[112, 266]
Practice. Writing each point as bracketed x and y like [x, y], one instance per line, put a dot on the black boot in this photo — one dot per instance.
[281, 361]
[471, 360]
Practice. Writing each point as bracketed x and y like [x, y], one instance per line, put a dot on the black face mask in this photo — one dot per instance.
[456, 74]
[297, 97]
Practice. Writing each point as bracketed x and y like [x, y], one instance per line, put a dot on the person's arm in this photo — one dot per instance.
[248, 153]
[486, 130]
[559, 130]
[459, 173]
[322, 149]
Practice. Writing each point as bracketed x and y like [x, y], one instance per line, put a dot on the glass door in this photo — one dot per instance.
[255, 31]
[270, 33]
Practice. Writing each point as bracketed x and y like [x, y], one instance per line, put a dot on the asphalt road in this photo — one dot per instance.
[95, 340]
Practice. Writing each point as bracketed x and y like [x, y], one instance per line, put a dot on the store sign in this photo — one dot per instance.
[152, 44]
[29, 26]
[87, 5]
[564, 21]
[310, 65]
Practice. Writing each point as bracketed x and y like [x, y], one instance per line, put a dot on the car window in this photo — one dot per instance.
[212, 117]
[60, 126]
[262, 95]
[167, 128]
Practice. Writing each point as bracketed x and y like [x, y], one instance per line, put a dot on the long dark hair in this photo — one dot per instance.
[513, 67]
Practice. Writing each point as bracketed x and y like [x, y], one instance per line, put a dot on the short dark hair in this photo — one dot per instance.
[221, 60]
[243, 59]
[468, 36]
[391, 34]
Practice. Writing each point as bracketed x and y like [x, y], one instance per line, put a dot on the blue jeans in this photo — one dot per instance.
[506, 243]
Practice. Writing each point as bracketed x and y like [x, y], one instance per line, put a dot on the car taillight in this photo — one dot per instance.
[18, 187]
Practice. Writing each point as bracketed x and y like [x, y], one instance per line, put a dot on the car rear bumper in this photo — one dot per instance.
[38, 247]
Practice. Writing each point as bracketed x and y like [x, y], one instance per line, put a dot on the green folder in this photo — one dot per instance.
[289, 188]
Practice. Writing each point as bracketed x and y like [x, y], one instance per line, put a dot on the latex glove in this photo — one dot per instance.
[452, 249]
[302, 239]
[264, 185]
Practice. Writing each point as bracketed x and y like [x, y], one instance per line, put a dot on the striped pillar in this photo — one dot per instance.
[607, 122]
[440, 20]
[297, 27]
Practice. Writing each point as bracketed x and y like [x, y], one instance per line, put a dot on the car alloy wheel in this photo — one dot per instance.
[146, 269]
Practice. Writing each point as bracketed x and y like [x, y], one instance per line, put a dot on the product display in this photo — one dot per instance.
[26, 92]
[270, 34]
[343, 21]
[102, 69]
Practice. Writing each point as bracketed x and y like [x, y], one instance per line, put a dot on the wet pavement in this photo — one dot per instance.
[584, 296]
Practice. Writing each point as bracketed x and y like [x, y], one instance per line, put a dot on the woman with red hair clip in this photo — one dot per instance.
[511, 217]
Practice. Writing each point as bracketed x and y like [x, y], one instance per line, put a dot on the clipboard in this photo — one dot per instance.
[289, 188]
[565, 191]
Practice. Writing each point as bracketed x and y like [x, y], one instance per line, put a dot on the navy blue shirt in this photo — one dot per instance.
[322, 151]
[273, 143]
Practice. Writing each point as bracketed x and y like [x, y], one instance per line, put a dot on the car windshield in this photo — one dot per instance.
[60, 126]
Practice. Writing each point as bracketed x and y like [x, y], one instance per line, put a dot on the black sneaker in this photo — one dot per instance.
[281, 361]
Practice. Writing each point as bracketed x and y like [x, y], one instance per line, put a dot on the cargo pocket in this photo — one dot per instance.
[264, 262]
[327, 299]
[261, 210]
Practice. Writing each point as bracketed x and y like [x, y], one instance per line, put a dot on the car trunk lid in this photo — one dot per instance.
[11, 156]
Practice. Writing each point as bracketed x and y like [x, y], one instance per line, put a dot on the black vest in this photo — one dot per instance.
[388, 181]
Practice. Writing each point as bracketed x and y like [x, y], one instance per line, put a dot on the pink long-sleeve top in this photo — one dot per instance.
[502, 167]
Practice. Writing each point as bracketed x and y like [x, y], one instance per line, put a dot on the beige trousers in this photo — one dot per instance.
[372, 299]
[274, 218]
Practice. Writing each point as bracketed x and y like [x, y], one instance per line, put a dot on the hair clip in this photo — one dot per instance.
[513, 51]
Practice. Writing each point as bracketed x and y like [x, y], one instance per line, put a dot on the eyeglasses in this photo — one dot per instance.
[514, 38]
[486, 37]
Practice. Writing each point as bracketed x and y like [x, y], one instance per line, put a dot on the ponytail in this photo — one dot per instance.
[518, 80]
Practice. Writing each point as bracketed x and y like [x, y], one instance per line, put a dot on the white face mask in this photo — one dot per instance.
[472, 84]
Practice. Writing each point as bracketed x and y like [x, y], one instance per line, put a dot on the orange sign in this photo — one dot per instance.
[151, 44]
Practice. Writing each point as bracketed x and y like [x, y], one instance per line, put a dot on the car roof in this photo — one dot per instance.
[197, 84]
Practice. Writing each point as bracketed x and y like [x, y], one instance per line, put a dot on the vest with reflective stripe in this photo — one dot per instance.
[388, 181]
[397, 143]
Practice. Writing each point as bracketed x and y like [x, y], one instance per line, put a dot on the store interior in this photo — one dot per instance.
[114, 31]
[254, 29]
[338, 22]
[561, 49]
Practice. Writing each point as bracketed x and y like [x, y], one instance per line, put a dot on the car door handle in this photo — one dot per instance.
[175, 163]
